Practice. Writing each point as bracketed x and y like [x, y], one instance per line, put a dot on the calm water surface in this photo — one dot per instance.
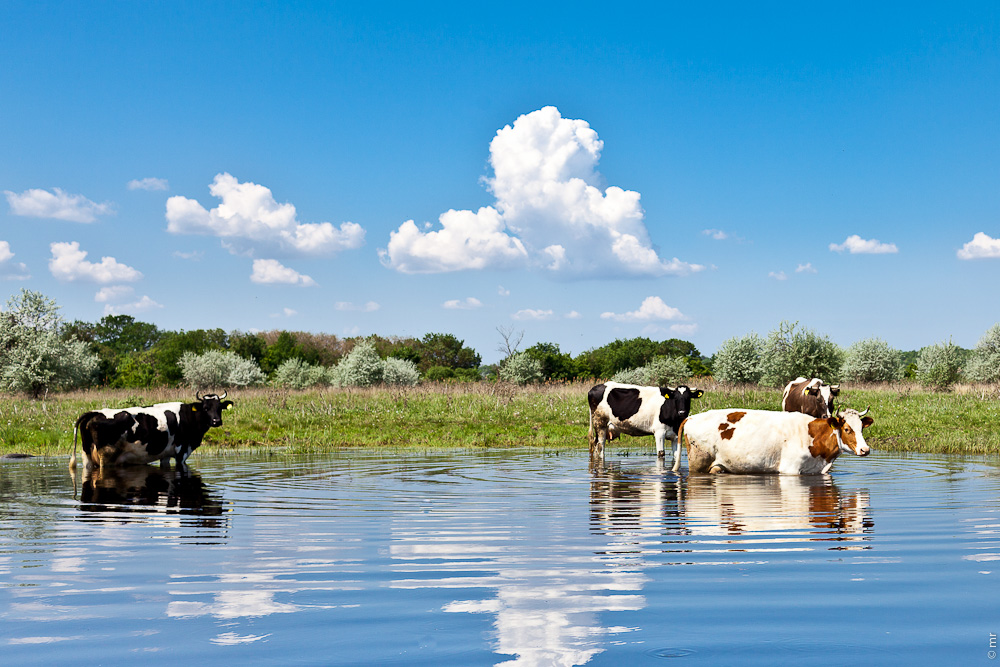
[517, 558]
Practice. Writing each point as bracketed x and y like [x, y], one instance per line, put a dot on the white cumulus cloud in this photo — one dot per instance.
[150, 184]
[249, 221]
[550, 212]
[982, 246]
[37, 203]
[271, 271]
[856, 245]
[652, 309]
[9, 269]
[69, 263]
[462, 304]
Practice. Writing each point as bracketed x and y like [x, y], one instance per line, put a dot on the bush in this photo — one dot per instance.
[984, 365]
[297, 374]
[939, 365]
[872, 360]
[662, 371]
[400, 372]
[35, 359]
[740, 360]
[439, 374]
[521, 368]
[219, 369]
[791, 353]
[362, 367]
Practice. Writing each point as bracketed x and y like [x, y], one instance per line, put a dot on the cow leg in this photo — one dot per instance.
[660, 437]
[677, 453]
[597, 448]
[717, 469]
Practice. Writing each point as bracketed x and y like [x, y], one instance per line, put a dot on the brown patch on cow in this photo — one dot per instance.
[726, 431]
[824, 438]
[734, 417]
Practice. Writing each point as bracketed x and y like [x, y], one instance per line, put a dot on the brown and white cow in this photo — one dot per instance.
[766, 442]
[635, 410]
[812, 397]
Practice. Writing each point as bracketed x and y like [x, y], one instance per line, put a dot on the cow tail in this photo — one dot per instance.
[72, 454]
[680, 445]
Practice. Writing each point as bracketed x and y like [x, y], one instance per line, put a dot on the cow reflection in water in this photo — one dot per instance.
[148, 489]
[776, 509]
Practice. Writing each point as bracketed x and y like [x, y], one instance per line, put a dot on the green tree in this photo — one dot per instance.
[168, 351]
[280, 351]
[606, 361]
[437, 349]
[555, 365]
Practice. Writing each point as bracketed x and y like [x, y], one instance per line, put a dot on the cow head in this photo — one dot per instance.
[679, 399]
[210, 407]
[848, 424]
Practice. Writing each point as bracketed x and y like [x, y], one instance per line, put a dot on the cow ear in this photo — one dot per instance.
[667, 392]
[698, 393]
[227, 405]
[812, 391]
[866, 422]
[834, 389]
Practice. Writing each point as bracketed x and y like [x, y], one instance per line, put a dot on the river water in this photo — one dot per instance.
[512, 558]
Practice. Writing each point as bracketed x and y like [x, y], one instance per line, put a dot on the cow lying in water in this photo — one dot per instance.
[140, 435]
[763, 441]
[633, 410]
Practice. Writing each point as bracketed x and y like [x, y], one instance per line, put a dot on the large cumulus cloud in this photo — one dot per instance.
[550, 212]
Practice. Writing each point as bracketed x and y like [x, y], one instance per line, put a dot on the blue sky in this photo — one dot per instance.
[582, 172]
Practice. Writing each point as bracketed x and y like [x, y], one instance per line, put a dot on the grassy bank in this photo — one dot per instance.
[907, 417]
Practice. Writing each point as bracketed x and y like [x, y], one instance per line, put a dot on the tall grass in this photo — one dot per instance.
[430, 416]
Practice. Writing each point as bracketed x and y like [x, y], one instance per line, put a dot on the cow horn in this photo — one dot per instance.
[224, 394]
[197, 395]
[862, 414]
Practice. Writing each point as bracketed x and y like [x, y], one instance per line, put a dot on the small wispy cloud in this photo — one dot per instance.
[856, 245]
[652, 308]
[9, 269]
[503, 291]
[142, 305]
[805, 268]
[469, 303]
[150, 184]
[778, 275]
[59, 205]
[532, 314]
[369, 307]
[716, 234]
[573, 315]
[113, 293]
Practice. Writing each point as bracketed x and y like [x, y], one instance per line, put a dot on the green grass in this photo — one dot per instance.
[907, 418]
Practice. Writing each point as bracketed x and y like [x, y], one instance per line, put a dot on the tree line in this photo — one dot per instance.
[39, 352]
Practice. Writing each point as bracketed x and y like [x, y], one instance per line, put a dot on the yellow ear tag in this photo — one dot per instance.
[194, 409]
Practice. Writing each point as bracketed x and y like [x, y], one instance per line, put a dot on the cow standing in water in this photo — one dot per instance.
[811, 397]
[634, 410]
[732, 440]
[141, 435]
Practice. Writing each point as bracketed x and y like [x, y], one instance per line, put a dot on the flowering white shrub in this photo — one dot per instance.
[984, 366]
[362, 367]
[219, 368]
[872, 360]
[739, 360]
[521, 368]
[662, 371]
[297, 374]
[400, 372]
[939, 365]
[790, 353]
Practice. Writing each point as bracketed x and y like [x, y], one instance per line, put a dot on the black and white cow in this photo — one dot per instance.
[635, 410]
[140, 435]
